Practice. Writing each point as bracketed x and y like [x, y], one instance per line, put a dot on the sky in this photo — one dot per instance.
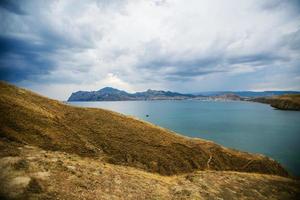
[61, 46]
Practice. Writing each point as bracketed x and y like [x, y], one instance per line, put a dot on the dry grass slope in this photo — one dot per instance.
[49, 150]
[283, 102]
[286, 102]
[28, 118]
[33, 173]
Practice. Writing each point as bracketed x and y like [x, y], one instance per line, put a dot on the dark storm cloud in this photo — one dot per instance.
[293, 5]
[29, 45]
[189, 64]
[185, 69]
[137, 44]
[195, 72]
[12, 6]
[185, 75]
[20, 59]
[292, 40]
[261, 59]
[22, 46]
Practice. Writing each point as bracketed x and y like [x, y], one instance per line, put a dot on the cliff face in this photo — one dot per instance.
[49, 148]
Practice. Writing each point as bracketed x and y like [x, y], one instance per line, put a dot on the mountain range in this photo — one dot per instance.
[112, 94]
[248, 94]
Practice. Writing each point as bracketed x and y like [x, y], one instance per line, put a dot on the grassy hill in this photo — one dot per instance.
[33, 173]
[282, 102]
[287, 102]
[35, 120]
[42, 138]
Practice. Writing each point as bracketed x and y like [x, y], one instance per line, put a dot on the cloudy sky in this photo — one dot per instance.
[57, 47]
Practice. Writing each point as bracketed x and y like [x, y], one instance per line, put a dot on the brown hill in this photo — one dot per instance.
[282, 102]
[49, 150]
[31, 119]
[287, 102]
[33, 173]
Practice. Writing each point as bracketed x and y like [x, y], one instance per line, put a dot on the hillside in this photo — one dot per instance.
[283, 102]
[33, 173]
[287, 102]
[45, 142]
[34, 120]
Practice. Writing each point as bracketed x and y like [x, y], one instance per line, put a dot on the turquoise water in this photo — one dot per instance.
[246, 126]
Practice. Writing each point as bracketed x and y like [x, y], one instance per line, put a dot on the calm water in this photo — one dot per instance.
[246, 126]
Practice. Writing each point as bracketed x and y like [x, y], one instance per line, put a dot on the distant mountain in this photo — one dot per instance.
[228, 96]
[249, 94]
[112, 94]
[105, 94]
[161, 95]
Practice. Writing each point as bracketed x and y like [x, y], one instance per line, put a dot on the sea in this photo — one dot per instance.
[245, 126]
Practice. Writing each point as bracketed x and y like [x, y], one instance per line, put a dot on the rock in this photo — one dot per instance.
[15, 187]
[34, 186]
[21, 165]
[41, 175]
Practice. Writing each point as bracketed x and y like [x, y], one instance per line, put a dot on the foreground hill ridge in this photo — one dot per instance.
[99, 154]
[33, 173]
